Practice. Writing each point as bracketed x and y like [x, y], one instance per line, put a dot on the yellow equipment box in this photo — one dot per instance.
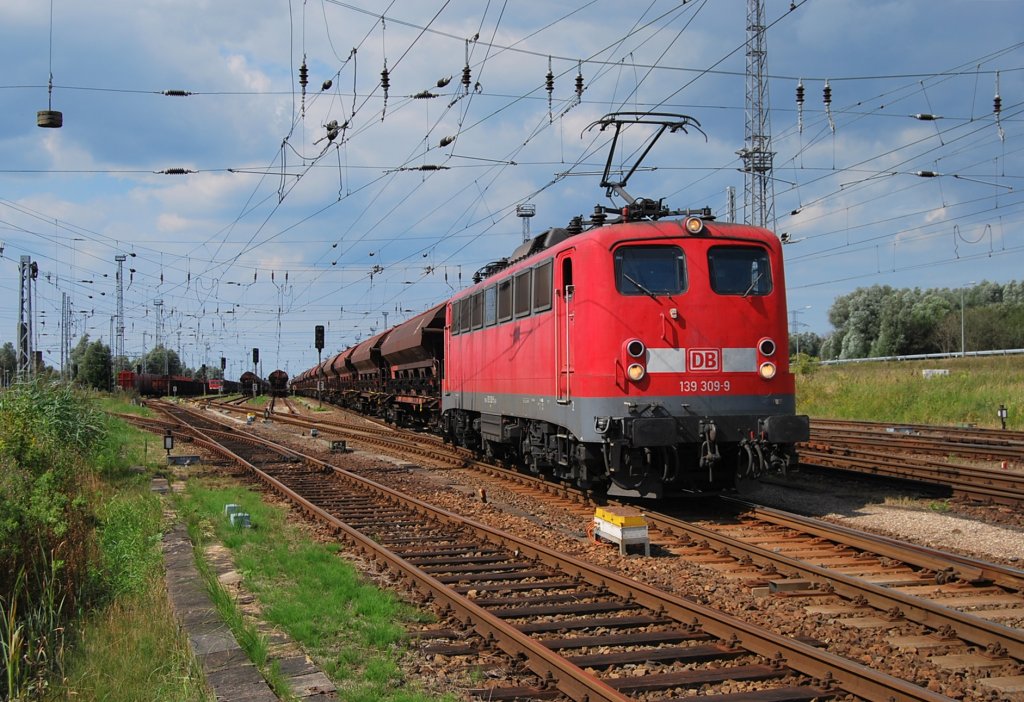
[623, 526]
[621, 516]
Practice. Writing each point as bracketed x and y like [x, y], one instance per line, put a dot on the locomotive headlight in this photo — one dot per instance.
[635, 348]
[767, 370]
[694, 225]
[766, 347]
[636, 372]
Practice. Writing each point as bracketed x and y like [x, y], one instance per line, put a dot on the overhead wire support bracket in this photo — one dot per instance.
[665, 121]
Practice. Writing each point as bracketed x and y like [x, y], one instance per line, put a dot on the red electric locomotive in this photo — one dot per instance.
[635, 355]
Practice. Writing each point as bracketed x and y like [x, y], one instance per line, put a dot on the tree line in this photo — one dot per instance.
[884, 321]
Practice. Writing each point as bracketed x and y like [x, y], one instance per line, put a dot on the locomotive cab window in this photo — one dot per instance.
[650, 270]
[739, 270]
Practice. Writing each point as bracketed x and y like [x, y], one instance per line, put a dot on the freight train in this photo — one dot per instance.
[642, 352]
[277, 383]
[157, 385]
[251, 385]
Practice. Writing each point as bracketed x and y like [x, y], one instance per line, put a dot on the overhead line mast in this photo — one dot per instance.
[759, 187]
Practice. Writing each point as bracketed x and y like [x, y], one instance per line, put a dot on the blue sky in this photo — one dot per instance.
[279, 228]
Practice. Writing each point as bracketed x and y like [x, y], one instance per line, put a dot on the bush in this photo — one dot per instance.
[47, 434]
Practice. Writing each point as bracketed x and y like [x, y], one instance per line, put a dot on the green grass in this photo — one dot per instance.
[353, 630]
[131, 647]
[897, 391]
[134, 650]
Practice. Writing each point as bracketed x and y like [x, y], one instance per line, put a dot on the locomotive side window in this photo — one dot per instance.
[505, 300]
[650, 270]
[490, 306]
[465, 315]
[739, 270]
[455, 317]
[521, 293]
[542, 287]
[478, 310]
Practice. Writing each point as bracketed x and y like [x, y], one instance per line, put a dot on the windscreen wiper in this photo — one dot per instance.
[753, 283]
[639, 287]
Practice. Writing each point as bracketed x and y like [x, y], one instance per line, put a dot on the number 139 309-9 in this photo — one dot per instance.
[704, 386]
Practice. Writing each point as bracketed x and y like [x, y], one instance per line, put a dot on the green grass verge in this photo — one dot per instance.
[898, 392]
[129, 646]
[131, 649]
[353, 630]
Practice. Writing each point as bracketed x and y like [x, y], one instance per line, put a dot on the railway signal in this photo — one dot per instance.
[318, 341]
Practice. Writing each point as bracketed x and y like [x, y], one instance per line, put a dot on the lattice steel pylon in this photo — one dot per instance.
[526, 211]
[119, 338]
[26, 358]
[759, 188]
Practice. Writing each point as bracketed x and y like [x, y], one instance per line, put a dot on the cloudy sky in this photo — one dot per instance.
[276, 227]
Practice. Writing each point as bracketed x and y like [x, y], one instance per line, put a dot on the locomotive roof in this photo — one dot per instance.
[555, 240]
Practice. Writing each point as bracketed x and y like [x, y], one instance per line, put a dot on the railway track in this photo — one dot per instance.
[585, 632]
[879, 580]
[974, 444]
[898, 579]
[932, 455]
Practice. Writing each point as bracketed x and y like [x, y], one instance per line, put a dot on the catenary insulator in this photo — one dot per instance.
[579, 83]
[826, 94]
[467, 77]
[997, 104]
[385, 80]
[800, 93]
[176, 93]
[303, 75]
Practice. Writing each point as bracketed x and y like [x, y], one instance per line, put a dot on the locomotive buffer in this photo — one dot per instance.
[624, 526]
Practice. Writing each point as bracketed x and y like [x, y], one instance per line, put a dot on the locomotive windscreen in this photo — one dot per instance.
[649, 270]
[739, 270]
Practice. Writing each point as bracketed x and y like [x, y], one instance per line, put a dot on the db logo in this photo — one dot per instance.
[704, 360]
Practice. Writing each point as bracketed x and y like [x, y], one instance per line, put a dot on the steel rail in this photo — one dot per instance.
[968, 627]
[953, 434]
[578, 684]
[966, 568]
[917, 444]
[882, 464]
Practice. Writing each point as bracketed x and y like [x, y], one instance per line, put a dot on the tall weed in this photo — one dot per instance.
[47, 434]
